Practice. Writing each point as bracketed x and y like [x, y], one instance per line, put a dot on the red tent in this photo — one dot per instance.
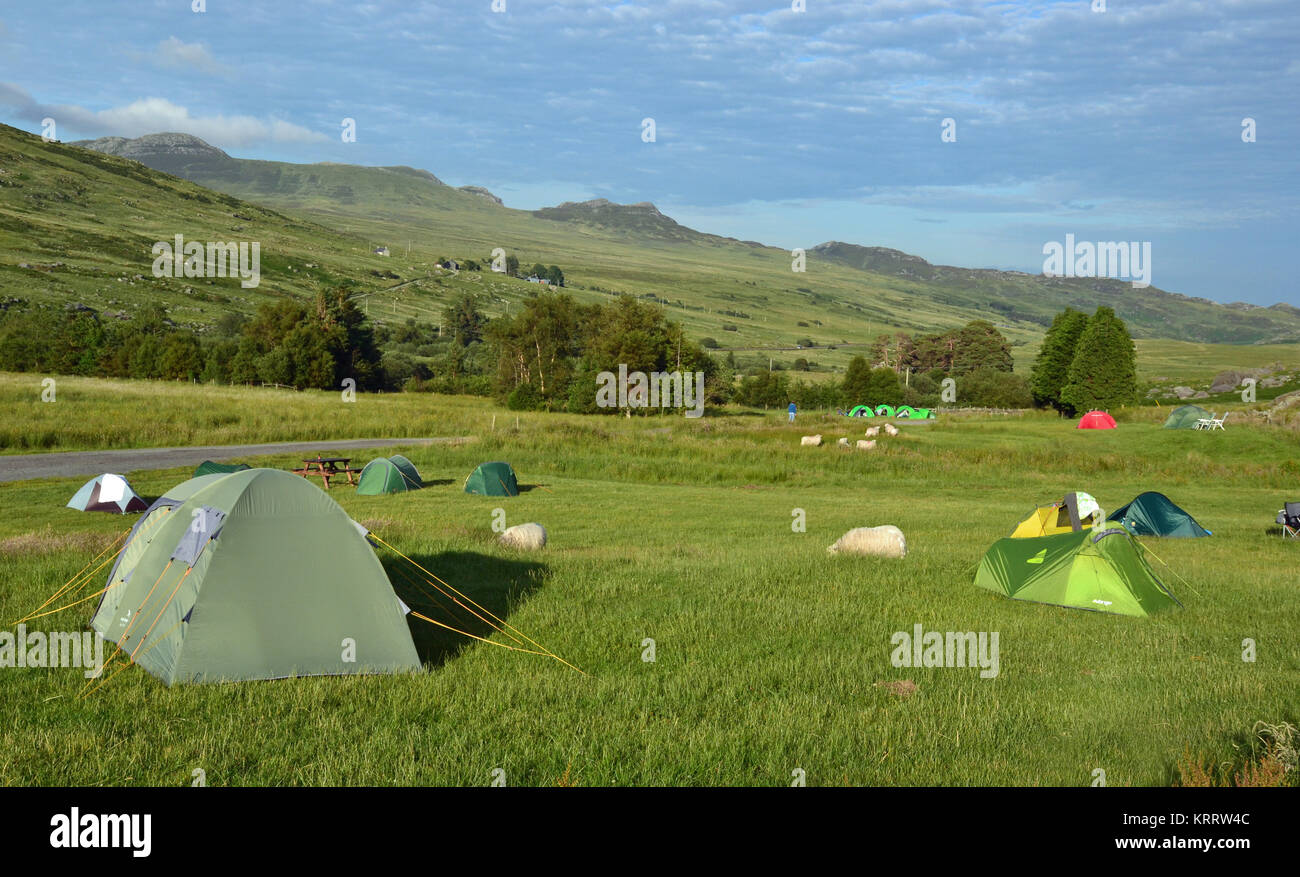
[1096, 420]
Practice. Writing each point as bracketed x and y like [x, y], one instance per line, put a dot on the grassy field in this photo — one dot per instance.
[768, 650]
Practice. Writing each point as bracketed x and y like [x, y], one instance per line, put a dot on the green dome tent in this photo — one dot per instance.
[394, 474]
[207, 467]
[1098, 570]
[107, 493]
[492, 479]
[256, 575]
[1185, 417]
[1154, 514]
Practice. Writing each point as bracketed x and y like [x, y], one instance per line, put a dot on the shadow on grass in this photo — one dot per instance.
[436, 482]
[498, 584]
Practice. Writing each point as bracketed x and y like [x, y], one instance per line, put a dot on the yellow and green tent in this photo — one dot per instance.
[1101, 570]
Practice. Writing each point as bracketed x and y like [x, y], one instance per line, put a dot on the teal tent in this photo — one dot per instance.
[107, 493]
[493, 479]
[1154, 514]
[255, 575]
[207, 467]
[388, 475]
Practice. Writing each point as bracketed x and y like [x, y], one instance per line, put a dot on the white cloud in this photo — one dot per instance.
[153, 115]
[176, 54]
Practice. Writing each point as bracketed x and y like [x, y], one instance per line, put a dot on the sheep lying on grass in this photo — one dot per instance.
[813, 440]
[885, 541]
[864, 445]
[525, 537]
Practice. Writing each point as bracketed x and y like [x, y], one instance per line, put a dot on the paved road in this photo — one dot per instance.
[19, 467]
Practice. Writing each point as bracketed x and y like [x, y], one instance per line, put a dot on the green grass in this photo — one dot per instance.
[768, 649]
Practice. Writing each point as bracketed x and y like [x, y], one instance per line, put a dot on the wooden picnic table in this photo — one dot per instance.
[326, 468]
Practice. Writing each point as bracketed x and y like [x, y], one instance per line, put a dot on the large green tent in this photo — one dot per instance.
[1099, 570]
[1185, 417]
[493, 479]
[388, 475]
[1154, 514]
[207, 467]
[256, 575]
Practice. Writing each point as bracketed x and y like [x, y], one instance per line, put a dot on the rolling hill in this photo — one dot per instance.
[77, 224]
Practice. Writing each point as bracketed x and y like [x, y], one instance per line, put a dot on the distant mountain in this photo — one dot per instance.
[324, 184]
[1015, 295]
[622, 247]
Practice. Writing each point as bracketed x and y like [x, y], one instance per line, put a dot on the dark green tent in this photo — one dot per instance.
[256, 575]
[1185, 417]
[1099, 570]
[207, 467]
[1154, 514]
[492, 479]
[392, 475]
[410, 474]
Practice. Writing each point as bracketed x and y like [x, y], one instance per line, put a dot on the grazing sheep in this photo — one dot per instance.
[864, 445]
[890, 429]
[811, 440]
[525, 537]
[873, 432]
[885, 541]
[843, 443]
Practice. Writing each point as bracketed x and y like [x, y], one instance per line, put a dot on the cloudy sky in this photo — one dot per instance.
[770, 123]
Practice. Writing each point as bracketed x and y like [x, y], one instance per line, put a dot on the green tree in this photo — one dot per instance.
[857, 383]
[979, 345]
[1052, 366]
[464, 321]
[883, 387]
[181, 358]
[1104, 371]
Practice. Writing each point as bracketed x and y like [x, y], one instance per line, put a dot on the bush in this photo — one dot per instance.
[993, 388]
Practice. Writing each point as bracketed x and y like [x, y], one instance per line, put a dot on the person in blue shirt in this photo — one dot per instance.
[792, 410]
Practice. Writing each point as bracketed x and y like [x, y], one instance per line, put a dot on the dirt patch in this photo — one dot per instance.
[901, 687]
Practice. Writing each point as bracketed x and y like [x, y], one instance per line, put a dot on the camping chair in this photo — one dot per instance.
[1289, 518]
[1204, 422]
[1217, 423]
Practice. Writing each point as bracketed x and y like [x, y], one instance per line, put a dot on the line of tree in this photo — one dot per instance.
[287, 342]
[1085, 363]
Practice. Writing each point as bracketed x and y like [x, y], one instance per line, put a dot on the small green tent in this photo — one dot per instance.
[408, 470]
[1185, 417]
[207, 467]
[1098, 570]
[388, 475]
[107, 493]
[492, 479]
[1154, 514]
[257, 575]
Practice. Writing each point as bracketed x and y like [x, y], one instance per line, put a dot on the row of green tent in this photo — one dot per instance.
[1063, 554]
[905, 412]
[397, 474]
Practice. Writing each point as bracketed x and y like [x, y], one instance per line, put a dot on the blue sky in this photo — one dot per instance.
[786, 127]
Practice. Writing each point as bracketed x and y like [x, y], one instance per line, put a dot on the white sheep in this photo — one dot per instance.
[890, 429]
[843, 443]
[873, 432]
[864, 445]
[811, 440]
[885, 541]
[525, 537]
